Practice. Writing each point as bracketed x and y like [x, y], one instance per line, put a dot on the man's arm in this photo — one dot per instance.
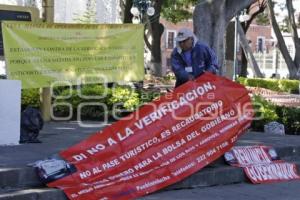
[211, 61]
[178, 69]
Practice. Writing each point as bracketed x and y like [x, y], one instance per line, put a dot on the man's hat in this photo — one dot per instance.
[184, 34]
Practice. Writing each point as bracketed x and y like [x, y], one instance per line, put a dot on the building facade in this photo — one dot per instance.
[260, 38]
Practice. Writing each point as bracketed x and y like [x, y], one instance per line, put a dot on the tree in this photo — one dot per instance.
[285, 25]
[155, 30]
[125, 7]
[152, 32]
[254, 10]
[211, 18]
[291, 14]
[293, 65]
[247, 51]
[89, 16]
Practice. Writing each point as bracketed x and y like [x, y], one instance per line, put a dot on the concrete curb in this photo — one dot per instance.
[34, 194]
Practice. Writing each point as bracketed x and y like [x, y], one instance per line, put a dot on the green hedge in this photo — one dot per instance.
[282, 85]
[290, 86]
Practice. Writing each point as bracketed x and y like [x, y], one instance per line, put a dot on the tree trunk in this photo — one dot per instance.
[157, 30]
[244, 66]
[296, 39]
[211, 19]
[244, 58]
[209, 26]
[126, 6]
[281, 43]
[247, 50]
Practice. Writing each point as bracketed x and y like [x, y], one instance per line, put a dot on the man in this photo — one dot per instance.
[190, 58]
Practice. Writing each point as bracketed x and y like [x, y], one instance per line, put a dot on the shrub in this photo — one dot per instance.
[30, 97]
[125, 97]
[290, 117]
[242, 80]
[169, 76]
[117, 101]
[264, 113]
[87, 94]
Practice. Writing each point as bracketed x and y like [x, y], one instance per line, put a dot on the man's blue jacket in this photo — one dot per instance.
[203, 59]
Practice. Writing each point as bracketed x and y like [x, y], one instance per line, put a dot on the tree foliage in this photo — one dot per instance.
[176, 11]
[285, 25]
[263, 19]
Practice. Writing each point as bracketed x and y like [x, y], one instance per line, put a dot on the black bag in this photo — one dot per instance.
[31, 124]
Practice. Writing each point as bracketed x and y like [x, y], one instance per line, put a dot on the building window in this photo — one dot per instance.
[171, 39]
[261, 44]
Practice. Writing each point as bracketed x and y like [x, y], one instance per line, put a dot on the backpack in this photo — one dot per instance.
[53, 169]
[31, 124]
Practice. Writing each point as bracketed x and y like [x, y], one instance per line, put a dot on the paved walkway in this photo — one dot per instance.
[278, 98]
[275, 191]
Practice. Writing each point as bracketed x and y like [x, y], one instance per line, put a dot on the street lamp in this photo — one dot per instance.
[140, 8]
[243, 17]
[235, 64]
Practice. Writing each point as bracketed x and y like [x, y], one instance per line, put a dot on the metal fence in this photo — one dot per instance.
[272, 63]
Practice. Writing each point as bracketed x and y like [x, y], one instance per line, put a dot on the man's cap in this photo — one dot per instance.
[184, 34]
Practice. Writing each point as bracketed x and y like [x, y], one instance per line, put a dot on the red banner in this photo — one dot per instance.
[243, 156]
[261, 164]
[159, 144]
[273, 172]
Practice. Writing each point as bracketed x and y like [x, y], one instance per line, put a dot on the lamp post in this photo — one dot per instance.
[140, 8]
[235, 64]
[237, 19]
[48, 16]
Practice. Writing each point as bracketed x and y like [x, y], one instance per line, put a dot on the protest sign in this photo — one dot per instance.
[160, 143]
[41, 54]
[261, 164]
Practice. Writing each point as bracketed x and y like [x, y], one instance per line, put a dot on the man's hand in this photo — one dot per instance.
[191, 77]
